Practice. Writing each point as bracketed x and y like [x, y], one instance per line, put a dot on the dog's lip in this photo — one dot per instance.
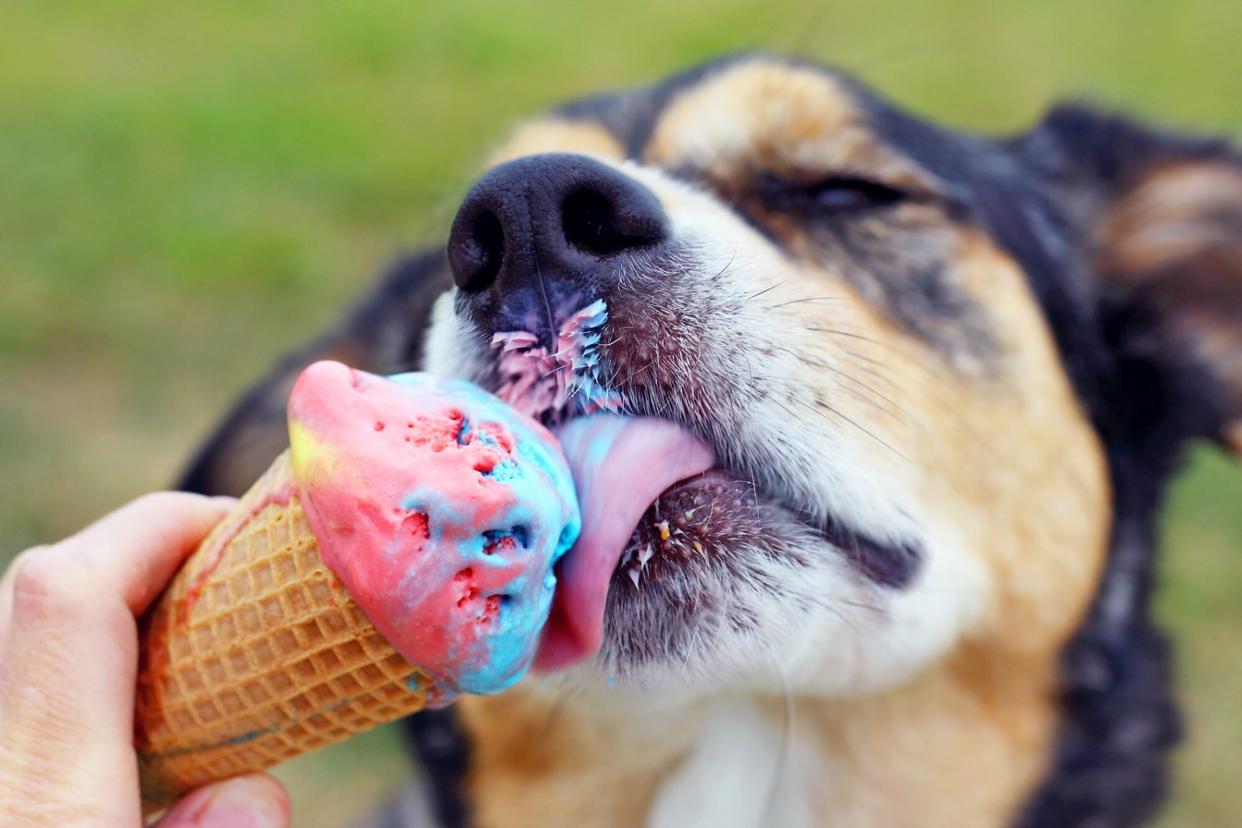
[621, 466]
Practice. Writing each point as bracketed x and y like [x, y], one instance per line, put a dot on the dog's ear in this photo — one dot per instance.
[383, 334]
[1163, 218]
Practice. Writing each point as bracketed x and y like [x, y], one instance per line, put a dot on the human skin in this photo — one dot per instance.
[68, 661]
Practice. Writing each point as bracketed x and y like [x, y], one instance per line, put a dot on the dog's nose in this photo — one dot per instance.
[552, 217]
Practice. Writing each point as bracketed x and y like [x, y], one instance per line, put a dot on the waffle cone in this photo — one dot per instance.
[255, 654]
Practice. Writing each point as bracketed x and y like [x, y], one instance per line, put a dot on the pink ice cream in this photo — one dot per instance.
[441, 509]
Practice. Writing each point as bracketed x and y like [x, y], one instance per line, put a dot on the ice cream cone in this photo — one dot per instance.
[256, 653]
[399, 555]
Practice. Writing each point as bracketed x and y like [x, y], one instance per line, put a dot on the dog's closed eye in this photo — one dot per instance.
[831, 195]
[844, 192]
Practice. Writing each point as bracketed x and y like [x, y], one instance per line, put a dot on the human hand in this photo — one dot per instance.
[68, 663]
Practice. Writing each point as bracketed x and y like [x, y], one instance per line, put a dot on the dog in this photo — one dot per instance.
[946, 379]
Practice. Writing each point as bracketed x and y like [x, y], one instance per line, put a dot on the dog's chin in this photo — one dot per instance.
[692, 591]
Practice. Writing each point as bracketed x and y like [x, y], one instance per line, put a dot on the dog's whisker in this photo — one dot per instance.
[809, 299]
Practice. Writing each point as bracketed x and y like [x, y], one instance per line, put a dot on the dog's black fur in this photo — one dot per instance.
[1148, 404]
[1038, 194]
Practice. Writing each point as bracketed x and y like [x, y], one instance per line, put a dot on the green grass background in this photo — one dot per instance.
[186, 189]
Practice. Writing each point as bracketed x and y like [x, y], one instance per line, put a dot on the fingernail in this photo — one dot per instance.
[245, 802]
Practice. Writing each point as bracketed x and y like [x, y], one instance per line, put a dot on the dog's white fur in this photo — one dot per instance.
[742, 772]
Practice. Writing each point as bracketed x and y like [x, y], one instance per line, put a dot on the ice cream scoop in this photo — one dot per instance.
[441, 510]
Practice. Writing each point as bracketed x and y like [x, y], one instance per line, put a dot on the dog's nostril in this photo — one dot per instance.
[477, 258]
[556, 217]
[591, 223]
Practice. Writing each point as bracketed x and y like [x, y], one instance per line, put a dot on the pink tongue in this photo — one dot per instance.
[620, 466]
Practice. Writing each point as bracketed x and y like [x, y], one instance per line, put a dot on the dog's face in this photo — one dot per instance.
[864, 316]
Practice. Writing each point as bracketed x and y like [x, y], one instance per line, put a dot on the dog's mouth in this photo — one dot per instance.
[628, 470]
[669, 527]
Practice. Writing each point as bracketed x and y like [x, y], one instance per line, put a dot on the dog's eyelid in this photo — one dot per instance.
[848, 188]
[839, 190]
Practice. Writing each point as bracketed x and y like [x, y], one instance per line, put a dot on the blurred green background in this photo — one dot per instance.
[188, 189]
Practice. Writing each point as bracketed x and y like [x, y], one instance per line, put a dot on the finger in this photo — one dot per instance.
[66, 694]
[6, 595]
[71, 629]
[134, 551]
[131, 552]
[255, 801]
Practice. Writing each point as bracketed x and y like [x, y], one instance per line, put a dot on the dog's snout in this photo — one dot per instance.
[552, 216]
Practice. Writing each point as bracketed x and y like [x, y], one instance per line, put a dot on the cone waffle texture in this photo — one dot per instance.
[256, 653]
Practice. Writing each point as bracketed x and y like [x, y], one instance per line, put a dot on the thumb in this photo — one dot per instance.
[253, 801]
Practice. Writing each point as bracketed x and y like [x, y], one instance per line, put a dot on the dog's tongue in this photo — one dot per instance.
[620, 466]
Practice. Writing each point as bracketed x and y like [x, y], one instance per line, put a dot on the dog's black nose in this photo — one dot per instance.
[552, 217]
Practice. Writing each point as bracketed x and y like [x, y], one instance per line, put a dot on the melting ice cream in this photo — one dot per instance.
[441, 509]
